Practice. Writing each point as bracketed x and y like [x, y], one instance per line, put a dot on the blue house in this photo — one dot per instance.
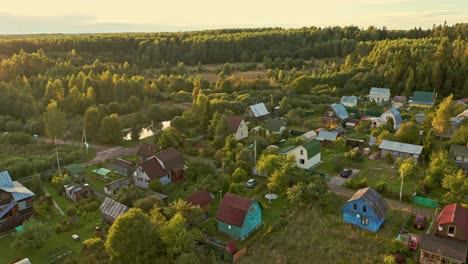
[238, 216]
[365, 209]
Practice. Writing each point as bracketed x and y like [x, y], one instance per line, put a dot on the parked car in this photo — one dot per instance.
[346, 173]
[419, 222]
[251, 183]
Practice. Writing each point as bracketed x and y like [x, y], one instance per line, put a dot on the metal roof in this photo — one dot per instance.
[396, 116]
[5, 179]
[340, 111]
[327, 135]
[286, 149]
[400, 147]
[102, 171]
[312, 147]
[380, 91]
[459, 150]
[349, 99]
[259, 110]
[17, 190]
[7, 208]
[451, 248]
[373, 199]
[274, 124]
[421, 97]
[113, 208]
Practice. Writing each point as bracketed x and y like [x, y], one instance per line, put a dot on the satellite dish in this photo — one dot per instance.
[440, 228]
[358, 215]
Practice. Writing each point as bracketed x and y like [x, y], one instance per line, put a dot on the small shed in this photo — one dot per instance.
[311, 135]
[123, 167]
[113, 188]
[327, 136]
[77, 192]
[349, 101]
[365, 209]
[112, 209]
[400, 150]
[420, 117]
[74, 170]
[201, 198]
[274, 126]
[257, 111]
[399, 101]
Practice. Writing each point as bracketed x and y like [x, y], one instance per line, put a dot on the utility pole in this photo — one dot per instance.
[58, 161]
[401, 186]
[84, 142]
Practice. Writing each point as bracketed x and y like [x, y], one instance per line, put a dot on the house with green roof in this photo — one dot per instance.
[306, 155]
[422, 99]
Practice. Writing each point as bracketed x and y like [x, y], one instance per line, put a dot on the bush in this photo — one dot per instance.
[381, 187]
[35, 234]
[71, 211]
[389, 158]
[239, 175]
[354, 154]
[362, 183]
[155, 186]
[17, 138]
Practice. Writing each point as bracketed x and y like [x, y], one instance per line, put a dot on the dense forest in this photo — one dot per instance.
[123, 74]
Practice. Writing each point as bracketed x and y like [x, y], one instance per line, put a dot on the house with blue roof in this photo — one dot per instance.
[16, 204]
[366, 209]
[335, 115]
[379, 95]
[257, 111]
[349, 101]
[393, 114]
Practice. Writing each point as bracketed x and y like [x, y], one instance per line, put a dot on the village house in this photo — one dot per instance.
[365, 209]
[74, 170]
[327, 137]
[335, 115]
[274, 126]
[238, 127]
[449, 242]
[306, 155]
[77, 192]
[238, 216]
[340, 130]
[399, 101]
[201, 198]
[349, 101]
[111, 210]
[459, 154]
[399, 150]
[392, 113]
[422, 99]
[379, 95]
[307, 136]
[122, 167]
[257, 111]
[457, 121]
[145, 151]
[166, 166]
[113, 188]
[16, 204]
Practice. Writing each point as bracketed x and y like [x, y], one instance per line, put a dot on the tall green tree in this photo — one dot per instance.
[54, 121]
[441, 121]
[92, 121]
[111, 129]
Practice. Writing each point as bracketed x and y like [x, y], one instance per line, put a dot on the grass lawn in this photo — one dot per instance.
[98, 183]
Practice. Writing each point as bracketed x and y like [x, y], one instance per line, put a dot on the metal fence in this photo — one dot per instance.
[424, 201]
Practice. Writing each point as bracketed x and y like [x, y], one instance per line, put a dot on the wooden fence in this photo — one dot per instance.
[239, 254]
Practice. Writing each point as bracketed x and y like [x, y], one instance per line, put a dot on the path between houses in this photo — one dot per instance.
[428, 213]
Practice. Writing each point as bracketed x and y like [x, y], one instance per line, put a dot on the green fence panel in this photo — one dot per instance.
[296, 133]
[424, 201]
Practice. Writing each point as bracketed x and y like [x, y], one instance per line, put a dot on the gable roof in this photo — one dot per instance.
[460, 118]
[379, 91]
[309, 135]
[145, 150]
[373, 199]
[459, 150]
[396, 115]
[286, 149]
[123, 163]
[274, 124]
[421, 97]
[454, 214]
[340, 129]
[340, 111]
[7, 208]
[113, 208]
[312, 147]
[234, 122]
[74, 169]
[400, 147]
[258, 110]
[348, 99]
[17, 190]
[119, 183]
[153, 168]
[171, 158]
[447, 247]
[327, 135]
[233, 209]
[200, 198]
[399, 99]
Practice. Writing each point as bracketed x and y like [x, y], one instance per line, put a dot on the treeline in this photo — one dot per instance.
[218, 46]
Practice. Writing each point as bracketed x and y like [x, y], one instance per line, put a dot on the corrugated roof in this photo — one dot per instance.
[340, 111]
[74, 169]
[447, 247]
[396, 115]
[4, 210]
[200, 198]
[312, 147]
[145, 150]
[372, 199]
[123, 163]
[286, 149]
[459, 150]
[400, 147]
[327, 135]
[309, 135]
[454, 214]
[349, 99]
[102, 171]
[259, 110]
[171, 158]
[274, 124]
[5, 179]
[420, 97]
[233, 209]
[153, 168]
[17, 190]
[234, 122]
[113, 208]
[119, 183]
[380, 91]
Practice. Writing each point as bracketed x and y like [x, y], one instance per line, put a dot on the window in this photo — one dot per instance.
[459, 158]
[302, 152]
[240, 126]
[242, 133]
[302, 161]
[22, 205]
[364, 209]
[330, 113]
[451, 231]
[355, 206]
[251, 210]
[364, 221]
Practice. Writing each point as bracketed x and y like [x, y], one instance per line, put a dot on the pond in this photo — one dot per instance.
[146, 131]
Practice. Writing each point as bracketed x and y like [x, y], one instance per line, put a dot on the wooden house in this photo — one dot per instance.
[449, 242]
[113, 188]
[201, 198]
[238, 127]
[365, 209]
[145, 151]
[257, 111]
[238, 216]
[111, 210]
[172, 161]
[274, 126]
[459, 154]
[77, 192]
[335, 115]
[379, 95]
[393, 114]
[307, 155]
[16, 204]
[422, 99]
[399, 101]
[122, 167]
[327, 137]
[399, 150]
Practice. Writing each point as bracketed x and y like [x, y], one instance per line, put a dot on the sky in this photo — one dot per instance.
[98, 16]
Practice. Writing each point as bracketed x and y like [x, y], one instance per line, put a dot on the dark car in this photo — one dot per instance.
[251, 183]
[346, 173]
[419, 222]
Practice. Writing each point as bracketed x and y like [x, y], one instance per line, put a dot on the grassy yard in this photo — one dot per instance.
[97, 182]
[317, 234]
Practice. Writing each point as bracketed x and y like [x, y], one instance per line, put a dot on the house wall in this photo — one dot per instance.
[397, 154]
[242, 131]
[231, 230]
[384, 118]
[140, 179]
[268, 132]
[349, 216]
[252, 220]
[459, 231]
[379, 98]
[349, 104]
[309, 163]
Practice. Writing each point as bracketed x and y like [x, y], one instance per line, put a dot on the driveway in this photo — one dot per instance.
[337, 180]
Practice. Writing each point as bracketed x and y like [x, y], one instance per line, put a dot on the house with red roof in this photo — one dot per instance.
[238, 127]
[201, 198]
[449, 242]
[238, 216]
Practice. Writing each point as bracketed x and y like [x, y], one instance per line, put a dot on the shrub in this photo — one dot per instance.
[17, 138]
[362, 183]
[389, 158]
[381, 187]
[71, 211]
[354, 154]
[239, 175]
[35, 234]
[155, 186]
